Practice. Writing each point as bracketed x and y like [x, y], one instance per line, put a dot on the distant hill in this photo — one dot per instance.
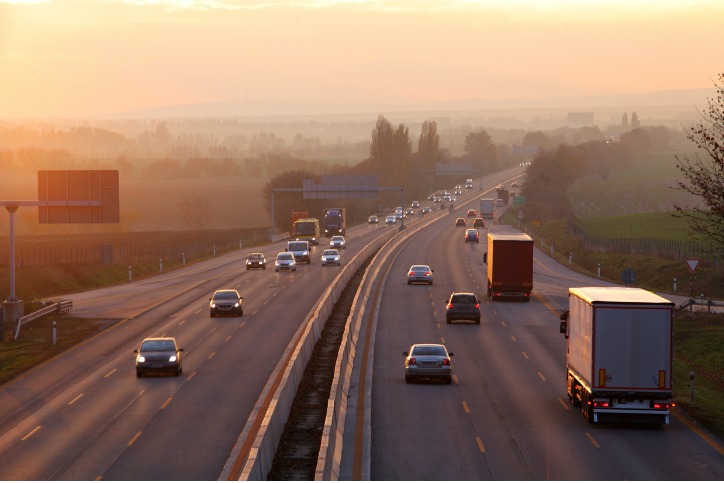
[687, 99]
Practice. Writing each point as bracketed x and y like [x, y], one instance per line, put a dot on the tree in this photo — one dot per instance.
[481, 150]
[390, 152]
[704, 174]
[197, 212]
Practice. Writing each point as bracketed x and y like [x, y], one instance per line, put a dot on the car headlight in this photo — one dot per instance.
[236, 305]
[213, 305]
[172, 359]
[304, 254]
[141, 359]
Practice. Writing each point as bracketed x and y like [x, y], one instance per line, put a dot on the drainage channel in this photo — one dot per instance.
[296, 455]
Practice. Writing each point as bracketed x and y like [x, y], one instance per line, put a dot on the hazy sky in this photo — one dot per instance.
[76, 58]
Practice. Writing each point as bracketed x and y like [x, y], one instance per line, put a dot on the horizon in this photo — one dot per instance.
[104, 58]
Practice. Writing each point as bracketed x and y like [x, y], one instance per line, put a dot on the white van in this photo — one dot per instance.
[469, 184]
[300, 250]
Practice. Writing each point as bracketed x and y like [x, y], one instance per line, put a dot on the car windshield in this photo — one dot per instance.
[428, 350]
[420, 268]
[158, 346]
[226, 295]
[337, 238]
[330, 252]
[255, 256]
[298, 246]
[284, 256]
[472, 232]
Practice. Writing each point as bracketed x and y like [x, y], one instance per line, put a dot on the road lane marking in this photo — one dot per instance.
[228, 338]
[211, 356]
[191, 376]
[111, 373]
[480, 444]
[455, 378]
[563, 403]
[514, 339]
[168, 401]
[503, 323]
[698, 431]
[242, 325]
[542, 377]
[182, 322]
[75, 399]
[37, 428]
[593, 441]
[526, 355]
[466, 408]
[198, 311]
[133, 440]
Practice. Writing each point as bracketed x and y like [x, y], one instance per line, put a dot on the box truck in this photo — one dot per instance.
[619, 364]
[487, 205]
[510, 266]
[334, 221]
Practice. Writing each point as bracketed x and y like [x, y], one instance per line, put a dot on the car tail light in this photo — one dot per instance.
[412, 361]
[427, 274]
[477, 306]
[449, 306]
[411, 274]
[446, 362]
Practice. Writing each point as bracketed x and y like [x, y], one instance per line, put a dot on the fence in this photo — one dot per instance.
[655, 247]
[126, 248]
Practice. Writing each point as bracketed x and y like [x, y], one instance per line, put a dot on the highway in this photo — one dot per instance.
[84, 415]
[507, 415]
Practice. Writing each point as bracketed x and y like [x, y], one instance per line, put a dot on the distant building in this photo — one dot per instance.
[580, 119]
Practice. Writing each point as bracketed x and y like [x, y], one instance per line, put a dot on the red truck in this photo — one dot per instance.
[510, 266]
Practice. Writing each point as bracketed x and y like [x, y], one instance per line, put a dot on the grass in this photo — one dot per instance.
[640, 225]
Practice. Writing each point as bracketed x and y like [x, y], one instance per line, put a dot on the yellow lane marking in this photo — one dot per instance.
[37, 428]
[480, 444]
[439, 326]
[593, 441]
[75, 399]
[228, 338]
[110, 373]
[211, 356]
[563, 403]
[543, 378]
[168, 401]
[526, 355]
[242, 324]
[133, 440]
[466, 408]
[698, 431]
[191, 376]
[455, 378]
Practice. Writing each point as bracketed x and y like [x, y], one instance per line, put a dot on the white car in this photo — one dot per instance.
[337, 241]
[285, 261]
[390, 220]
[330, 257]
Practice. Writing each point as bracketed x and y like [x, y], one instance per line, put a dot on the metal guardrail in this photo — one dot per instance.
[61, 307]
[692, 302]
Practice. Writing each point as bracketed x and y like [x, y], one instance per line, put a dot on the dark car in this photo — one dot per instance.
[462, 306]
[478, 223]
[226, 302]
[256, 260]
[428, 361]
[471, 235]
[158, 354]
[460, 222]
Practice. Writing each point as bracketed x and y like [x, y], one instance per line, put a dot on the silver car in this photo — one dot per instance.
[428, 361]
[390, 220]
[330, 257]
[337, 241]
[419, 273]
[285, 261]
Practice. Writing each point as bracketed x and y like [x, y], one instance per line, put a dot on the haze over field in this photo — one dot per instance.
[88, 58]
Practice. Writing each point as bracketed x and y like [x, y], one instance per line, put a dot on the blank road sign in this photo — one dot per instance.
[79, 196]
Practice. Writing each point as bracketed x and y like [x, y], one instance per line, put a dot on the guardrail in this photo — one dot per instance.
[61, 307]
[691, 303]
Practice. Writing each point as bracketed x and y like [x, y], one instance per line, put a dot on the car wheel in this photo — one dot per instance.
[338, 264]
[247, 268]
[408, 379]
[477, 321]
[409, 283]
[211, 314]
[139, 374]
[276, 269]
[264, 267]
[178, 372]
[448, 320]
[448, 380]
[430, 282]
[241, 312]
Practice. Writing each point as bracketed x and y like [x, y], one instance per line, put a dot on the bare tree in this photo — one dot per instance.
[197, 211]
[704, 174]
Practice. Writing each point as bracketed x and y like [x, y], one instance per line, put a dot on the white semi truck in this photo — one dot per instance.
[619, 364]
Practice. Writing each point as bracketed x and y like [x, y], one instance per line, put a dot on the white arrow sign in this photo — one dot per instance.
[693, 263]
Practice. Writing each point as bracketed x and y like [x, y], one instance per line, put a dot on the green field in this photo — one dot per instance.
[640, 225]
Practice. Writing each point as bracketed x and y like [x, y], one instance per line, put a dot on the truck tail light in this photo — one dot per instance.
[662, 405]
[600, 404]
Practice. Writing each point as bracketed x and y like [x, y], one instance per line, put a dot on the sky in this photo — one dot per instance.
[88, 58]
